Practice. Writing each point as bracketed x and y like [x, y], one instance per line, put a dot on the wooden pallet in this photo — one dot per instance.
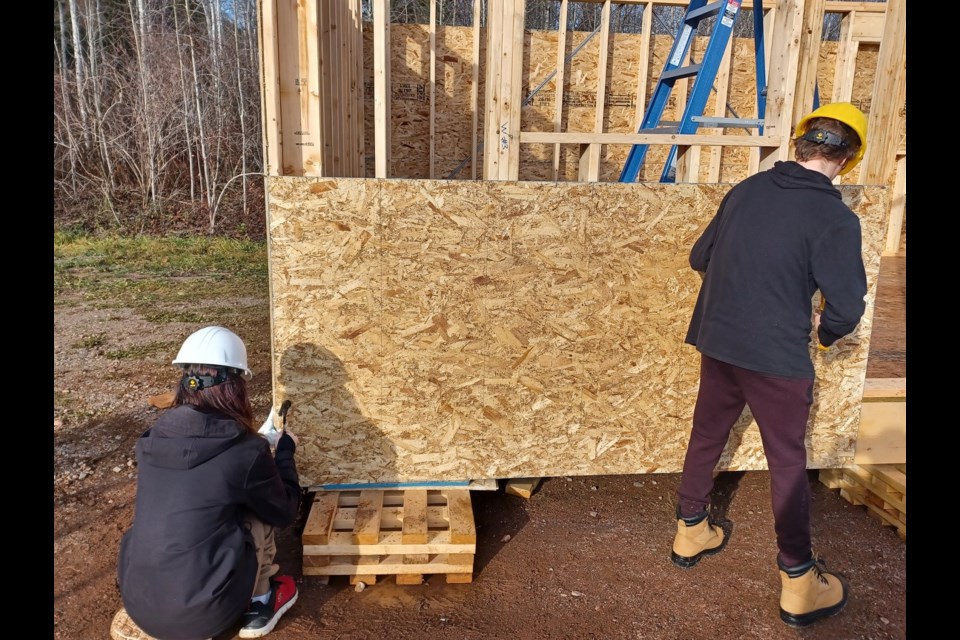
[405, 533]
[881, 488]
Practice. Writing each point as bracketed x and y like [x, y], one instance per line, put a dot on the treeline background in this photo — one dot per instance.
[157, 106]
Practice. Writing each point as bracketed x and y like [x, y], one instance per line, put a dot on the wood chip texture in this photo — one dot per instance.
[451, 330]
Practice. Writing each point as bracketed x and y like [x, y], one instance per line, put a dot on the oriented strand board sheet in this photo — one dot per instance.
[410, 100]
[454, 330]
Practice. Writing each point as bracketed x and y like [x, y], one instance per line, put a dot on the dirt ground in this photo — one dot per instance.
[585, 557]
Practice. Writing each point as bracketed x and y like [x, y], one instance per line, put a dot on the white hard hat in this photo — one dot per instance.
[214, 346]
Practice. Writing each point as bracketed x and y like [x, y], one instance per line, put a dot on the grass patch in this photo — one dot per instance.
[139, 272]
[205, 315]
[91, 342]
[141, 351]
[170, 256]
[69, 409]
[194, 317]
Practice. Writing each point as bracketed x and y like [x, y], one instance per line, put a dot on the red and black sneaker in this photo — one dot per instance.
[260, 618]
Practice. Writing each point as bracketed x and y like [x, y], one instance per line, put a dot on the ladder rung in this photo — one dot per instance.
[705, 11]
[681, 72]
[745, 123]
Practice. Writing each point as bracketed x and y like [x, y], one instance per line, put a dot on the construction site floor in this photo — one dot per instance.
[585, 557]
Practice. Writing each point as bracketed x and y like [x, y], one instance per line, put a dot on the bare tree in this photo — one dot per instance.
[240, 112]
[157, 102]
[78, 62]
[154, 108]
[65, 141]
[185, 97]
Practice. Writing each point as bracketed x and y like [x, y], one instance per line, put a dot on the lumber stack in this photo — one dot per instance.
[366, 534]
[881, 488]
[882, 436]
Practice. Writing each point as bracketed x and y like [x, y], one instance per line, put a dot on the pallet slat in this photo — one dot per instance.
[366, 527]
[387, 565]
[414, 531]
[320, 520]
[462, 529]
[407, 534]
[390, 542]
[415, 517]
[391, 518]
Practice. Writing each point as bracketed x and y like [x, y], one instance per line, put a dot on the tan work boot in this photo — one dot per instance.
[696, 537]
[809, 593]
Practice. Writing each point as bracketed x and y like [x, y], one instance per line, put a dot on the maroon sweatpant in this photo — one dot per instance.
[781, 407]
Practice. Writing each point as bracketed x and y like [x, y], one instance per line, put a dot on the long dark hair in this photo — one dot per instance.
[230, 397]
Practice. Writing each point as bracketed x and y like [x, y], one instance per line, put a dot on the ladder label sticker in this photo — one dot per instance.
[680, 48]
[730, 12]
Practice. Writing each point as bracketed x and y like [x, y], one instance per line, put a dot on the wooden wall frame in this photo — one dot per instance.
[312, 90]
[311, 87]
[310, 96]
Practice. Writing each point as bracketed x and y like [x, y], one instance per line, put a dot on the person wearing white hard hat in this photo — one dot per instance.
[198, 558]
[778, 238]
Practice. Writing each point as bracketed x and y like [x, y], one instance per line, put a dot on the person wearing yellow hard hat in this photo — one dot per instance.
[778, 238]
[818, 128]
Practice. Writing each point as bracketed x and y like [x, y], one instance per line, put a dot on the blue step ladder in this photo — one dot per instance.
[704, 74]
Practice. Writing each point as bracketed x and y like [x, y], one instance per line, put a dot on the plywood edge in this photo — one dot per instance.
[880, 389]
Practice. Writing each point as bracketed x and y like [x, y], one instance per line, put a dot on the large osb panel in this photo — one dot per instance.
[448, 330]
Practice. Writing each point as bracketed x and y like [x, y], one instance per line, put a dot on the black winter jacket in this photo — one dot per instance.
[777, 237]
[187, 565]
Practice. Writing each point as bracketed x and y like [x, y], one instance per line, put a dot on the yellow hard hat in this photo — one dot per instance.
[847, 114]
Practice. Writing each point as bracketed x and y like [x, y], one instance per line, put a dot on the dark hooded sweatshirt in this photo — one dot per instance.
[187, 565]
[777, 237]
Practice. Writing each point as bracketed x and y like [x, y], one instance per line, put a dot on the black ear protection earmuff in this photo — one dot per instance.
[194, 382]
[820, 136]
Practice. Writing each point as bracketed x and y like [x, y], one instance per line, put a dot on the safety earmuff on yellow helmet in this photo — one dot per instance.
[847, 114]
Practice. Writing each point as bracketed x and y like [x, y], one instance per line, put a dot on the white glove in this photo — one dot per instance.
[270, 431]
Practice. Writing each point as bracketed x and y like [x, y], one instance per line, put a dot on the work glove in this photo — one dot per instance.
[269, 429]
